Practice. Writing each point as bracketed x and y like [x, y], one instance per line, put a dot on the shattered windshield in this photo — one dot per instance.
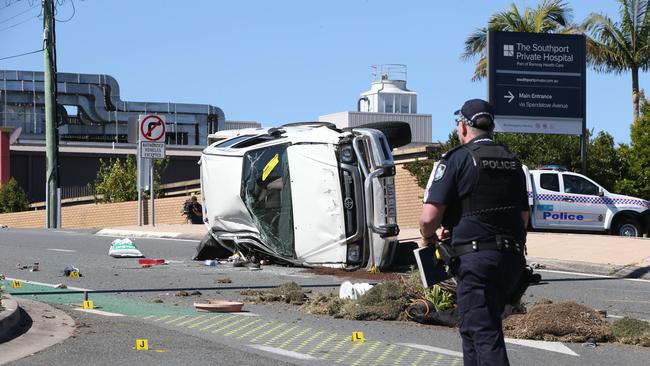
[266, 192]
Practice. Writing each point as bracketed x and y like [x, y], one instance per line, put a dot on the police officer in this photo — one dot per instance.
[477, 196]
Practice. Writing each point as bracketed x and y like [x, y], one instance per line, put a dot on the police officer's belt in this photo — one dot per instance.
[501, 244]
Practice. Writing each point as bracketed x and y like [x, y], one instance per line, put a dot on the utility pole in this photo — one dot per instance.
[51, 128]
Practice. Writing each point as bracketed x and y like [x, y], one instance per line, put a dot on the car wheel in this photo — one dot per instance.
[397, 133]
[628, 227]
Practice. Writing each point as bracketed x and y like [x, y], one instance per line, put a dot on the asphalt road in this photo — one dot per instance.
[270, 333]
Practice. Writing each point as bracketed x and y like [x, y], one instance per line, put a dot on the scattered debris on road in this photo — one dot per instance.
[186, 294]
[124, 248]
[290, 292]
[223, 280]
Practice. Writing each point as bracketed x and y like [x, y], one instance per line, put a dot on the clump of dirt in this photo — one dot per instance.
[631, 331]
[290, 292]
[385, 301]
[360, 274]
[565, 321]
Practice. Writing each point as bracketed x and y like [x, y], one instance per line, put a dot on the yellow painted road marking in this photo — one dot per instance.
[401, 356]
[191, 319]
[194, 325]
[264, 325]
[295, 336]
[386, 352]
[225, 319]
[332, 352]
[268, 343]
[268, 331]
[176, 319]
[162, 318]
[233, 331]
[356, 346]
[419, 358]
[307, 341]
[243, 318]
[367, 353]
[322, 344]
[148, 317]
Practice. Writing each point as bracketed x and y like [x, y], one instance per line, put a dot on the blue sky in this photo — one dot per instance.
[286, 60]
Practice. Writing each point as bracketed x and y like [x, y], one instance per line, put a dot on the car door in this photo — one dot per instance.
[548, 201]
[582, 207]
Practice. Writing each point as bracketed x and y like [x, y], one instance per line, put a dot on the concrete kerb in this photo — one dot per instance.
[629, 271]
[9, 317]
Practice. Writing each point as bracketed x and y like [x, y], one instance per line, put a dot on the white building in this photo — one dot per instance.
[387, 100]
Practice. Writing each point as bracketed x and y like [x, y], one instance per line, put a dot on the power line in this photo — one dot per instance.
[74, 11]
[19, 23]
[17, 15]
[22, 54]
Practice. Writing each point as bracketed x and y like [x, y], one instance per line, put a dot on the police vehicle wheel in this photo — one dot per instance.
[397, 133]
[628, 228]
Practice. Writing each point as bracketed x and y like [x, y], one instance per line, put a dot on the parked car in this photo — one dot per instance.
[307, 194]
[562, 200]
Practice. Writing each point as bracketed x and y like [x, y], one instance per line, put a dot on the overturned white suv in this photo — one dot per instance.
[307, 194]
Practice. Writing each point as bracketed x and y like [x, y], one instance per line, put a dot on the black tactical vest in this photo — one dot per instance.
[495, 191]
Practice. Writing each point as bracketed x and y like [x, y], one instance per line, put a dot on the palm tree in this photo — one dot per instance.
[619, 46]
[550, 16]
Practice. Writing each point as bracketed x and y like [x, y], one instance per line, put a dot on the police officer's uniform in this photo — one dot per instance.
[483, 187]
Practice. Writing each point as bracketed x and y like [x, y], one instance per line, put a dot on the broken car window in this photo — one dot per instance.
[266, 192]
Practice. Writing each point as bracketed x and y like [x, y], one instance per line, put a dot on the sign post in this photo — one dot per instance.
[151, 145]
[536, 83]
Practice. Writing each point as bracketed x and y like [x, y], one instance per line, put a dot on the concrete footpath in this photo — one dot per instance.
[585, 253]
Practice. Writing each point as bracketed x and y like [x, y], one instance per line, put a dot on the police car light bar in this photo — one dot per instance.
[560, 168]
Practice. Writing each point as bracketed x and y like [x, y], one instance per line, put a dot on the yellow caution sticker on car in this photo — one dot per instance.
[269, 166]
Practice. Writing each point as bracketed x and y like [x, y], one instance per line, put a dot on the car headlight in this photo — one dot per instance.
[347, 154]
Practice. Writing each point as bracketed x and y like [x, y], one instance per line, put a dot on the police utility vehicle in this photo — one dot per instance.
[562, 200]
[308, 194]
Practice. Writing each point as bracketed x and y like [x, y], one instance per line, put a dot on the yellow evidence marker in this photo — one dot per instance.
[16, 284]
[357, 336]
[141, 345]
[374, 269]
[88, 304]
[73, 274]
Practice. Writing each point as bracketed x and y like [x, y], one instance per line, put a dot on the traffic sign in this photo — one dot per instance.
[537, 82]
[152, 150]
[152, 128]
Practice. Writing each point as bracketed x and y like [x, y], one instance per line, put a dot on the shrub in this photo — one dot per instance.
[12, 197]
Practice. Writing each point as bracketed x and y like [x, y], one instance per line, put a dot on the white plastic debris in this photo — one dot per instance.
[124, 248]
[353, 291]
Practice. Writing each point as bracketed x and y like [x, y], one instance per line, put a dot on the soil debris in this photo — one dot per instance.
[565, 321]
[223, 280]
[358, 275]
[289, 292]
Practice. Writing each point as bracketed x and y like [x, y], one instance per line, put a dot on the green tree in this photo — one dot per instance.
[623, 45]
[637, 155]
[550, 16]
[12, 197]
[116, 180]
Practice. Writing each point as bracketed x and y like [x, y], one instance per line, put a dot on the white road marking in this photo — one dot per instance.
[98, 312]
[546, 346]
[48, 284]
[62, 250]
[592, 275]
[245, 313]
[444, 351]
[283, 352]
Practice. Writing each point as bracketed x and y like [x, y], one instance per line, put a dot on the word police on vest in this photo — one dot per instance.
[499, 164]
[562, 216]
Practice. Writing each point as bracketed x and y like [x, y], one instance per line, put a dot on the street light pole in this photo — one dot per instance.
[51, 128]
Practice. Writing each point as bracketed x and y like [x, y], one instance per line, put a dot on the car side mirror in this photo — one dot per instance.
[601, 192]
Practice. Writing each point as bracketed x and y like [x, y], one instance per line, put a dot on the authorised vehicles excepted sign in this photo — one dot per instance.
[152, 150]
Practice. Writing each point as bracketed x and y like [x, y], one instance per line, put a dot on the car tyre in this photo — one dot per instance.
[628, 227]
[397, 133]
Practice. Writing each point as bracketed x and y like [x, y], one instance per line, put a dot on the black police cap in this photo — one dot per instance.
[475, 112]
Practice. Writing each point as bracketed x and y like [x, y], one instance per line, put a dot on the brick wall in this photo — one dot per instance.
[101, 215]
[409, 205]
